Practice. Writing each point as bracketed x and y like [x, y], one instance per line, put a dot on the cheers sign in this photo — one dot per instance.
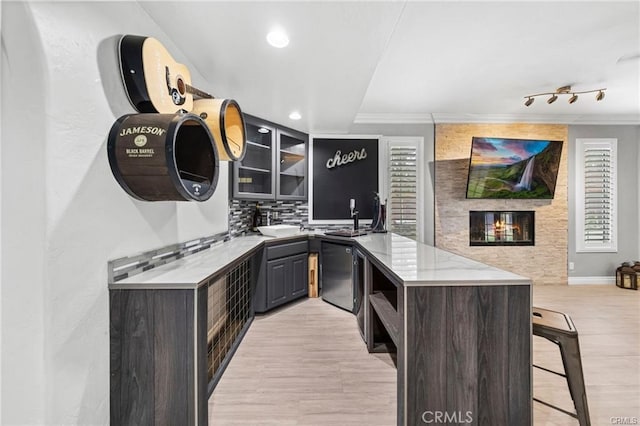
[340, 159]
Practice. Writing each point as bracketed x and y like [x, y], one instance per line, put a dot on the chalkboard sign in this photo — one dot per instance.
[343, 169]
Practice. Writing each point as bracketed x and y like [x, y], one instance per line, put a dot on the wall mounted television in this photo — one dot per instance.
[513, 168]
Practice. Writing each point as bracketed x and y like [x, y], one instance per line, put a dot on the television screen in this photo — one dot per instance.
[513, 168]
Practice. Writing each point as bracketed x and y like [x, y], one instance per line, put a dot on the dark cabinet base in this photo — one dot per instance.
[153, 337]
[169, 347]
[463, 350]
[477, 361]
[282, 275]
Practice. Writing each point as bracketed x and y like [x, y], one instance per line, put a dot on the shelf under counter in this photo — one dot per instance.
[381, 302]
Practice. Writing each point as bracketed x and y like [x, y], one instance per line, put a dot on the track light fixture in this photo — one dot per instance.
[564, 90]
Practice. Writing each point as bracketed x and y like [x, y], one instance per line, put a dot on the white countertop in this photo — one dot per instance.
[191, 270]
[415, 264]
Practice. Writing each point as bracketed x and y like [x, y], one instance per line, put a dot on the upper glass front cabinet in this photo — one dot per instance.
[275, 163]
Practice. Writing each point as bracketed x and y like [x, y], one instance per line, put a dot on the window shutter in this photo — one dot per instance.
[403, 181]
[596, 195]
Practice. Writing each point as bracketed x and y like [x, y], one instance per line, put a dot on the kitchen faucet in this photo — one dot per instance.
[354, 213]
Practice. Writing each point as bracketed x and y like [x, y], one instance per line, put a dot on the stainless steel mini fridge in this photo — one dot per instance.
[337, 275]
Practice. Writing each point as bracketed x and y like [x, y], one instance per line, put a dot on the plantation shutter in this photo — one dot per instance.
[403, 182]
[596, 195]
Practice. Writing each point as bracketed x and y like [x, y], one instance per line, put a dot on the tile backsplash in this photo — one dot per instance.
[287, 212]
[282, 212]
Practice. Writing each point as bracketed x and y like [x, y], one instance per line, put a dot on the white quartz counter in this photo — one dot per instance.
[414, 264]
[191, 270]
[417, 264]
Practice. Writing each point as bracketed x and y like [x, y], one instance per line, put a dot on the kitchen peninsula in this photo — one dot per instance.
[462, 330]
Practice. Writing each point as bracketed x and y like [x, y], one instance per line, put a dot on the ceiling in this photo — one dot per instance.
[412, 61]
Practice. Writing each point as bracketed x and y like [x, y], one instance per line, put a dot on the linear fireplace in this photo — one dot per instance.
[501, 228]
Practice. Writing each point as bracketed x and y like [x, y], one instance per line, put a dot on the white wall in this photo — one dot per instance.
[63, 215]
[589, 267]
[425, 131]
[2, 55]
[23, 219]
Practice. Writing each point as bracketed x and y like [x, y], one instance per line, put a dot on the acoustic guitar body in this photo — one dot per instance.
[226, 122]
[153, 80]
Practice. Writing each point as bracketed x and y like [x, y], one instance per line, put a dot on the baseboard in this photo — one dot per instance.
[592, 280]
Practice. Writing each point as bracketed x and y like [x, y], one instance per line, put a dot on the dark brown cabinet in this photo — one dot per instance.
[283, 275]
[275, 163]
[169, 346]
[299, 268]
[286, 279]
[291, 165]
[277, 292]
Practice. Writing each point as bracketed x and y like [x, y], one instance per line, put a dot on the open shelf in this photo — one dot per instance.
[298, 176]
[254, 169]
[258, 145]
[381, 302]
[290, 153]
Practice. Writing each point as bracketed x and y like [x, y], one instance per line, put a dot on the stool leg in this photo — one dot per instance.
[570, 350]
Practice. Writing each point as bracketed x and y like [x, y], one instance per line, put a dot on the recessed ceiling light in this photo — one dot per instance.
[278, 38]
[263, 130]
[295, 115]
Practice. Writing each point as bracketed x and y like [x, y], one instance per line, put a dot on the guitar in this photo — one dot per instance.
[153, 80]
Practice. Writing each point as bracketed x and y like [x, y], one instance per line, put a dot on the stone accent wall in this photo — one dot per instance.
[546, 262]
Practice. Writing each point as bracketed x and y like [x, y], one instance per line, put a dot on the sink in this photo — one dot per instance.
[346, 233]
[279, 230]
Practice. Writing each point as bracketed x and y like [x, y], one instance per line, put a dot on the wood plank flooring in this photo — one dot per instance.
[306, 364]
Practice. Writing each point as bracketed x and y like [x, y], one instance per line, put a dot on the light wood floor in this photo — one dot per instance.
[305, 364]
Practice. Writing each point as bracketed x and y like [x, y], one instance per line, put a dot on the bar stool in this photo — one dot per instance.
[558, 328]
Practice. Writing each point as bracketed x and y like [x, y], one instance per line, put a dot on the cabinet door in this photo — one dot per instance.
[253, 177]
[299, 275]
[291, 165]
[277, 277]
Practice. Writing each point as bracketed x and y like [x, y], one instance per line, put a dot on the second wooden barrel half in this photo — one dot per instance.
[164, 157]
[226, 122]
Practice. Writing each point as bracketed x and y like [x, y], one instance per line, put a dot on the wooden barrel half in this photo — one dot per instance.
[164, 157]
[226, 122]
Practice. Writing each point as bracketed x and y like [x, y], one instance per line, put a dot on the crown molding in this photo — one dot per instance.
[392, 118]
[436, 118]
[612, 119]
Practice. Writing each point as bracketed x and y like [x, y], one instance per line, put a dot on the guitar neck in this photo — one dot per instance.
[197, 92]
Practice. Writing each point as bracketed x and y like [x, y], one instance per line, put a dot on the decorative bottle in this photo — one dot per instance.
[257, 218]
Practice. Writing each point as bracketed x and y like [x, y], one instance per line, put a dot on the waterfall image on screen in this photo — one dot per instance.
[513, 168]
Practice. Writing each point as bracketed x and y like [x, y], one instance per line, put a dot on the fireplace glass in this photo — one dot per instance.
[501, 228]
